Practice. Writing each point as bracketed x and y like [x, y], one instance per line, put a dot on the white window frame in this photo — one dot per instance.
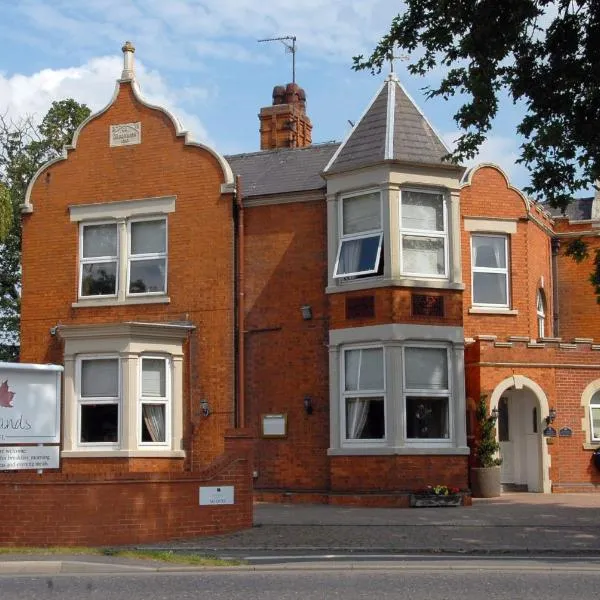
[98, 259]
[166, 401]
[541, 314]
[424, 233]
[593, 404]
[428, 393]
[497, 270]
[100, 400]
[363, 394]
[358, 236]
[147, 256]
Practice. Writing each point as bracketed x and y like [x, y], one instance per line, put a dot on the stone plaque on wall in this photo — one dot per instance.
[126, 134]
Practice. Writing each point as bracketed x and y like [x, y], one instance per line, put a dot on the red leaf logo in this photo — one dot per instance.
[6, 396]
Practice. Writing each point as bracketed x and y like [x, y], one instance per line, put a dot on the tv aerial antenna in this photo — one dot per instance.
[290, 48]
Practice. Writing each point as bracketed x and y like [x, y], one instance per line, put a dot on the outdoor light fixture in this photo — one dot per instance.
[204, 407]
[495, 412]
[308, 405]
[551, 416]
[306, 312]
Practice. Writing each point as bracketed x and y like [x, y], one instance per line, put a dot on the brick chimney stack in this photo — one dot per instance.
[285, 123]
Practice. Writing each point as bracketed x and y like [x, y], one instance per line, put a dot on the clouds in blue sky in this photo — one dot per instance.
[201, 59]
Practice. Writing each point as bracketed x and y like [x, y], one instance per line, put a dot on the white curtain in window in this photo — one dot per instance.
[352, 363]
[350, 256]
[426, 368]
[361, 213]
[489, 252]
[99, 240]
[100, 378]
[356, 417]
[153, 377]
[422, 255]
[422, 211]
[148, 237]
[364, 369]
[154, 418]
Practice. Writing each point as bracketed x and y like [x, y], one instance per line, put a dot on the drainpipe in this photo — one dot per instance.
[240, 416]
[555, 245]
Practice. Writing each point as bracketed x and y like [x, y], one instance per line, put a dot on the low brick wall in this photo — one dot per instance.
[125, 508]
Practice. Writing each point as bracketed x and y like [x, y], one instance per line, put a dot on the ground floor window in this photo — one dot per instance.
[396, 393]
[595, 417]
[124, 389]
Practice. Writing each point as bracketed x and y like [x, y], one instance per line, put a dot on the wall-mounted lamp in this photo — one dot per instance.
[495, 413]
[308, 407]
[551, 416]
[306, 311]
[204, 407]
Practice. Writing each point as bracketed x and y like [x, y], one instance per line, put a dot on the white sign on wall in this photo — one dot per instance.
[13, 458]
[29, 403]
[212, 496]
[126, 134]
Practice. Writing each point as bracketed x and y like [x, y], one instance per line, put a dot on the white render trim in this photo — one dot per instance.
[397, 332]
[379, 282]
[389, 121]
[122, 209]
[91, 302]
[482, 310]
[485, 224]
[174, 331]
[149, 453]
[27, 206]
[405, 450]
[341, 146]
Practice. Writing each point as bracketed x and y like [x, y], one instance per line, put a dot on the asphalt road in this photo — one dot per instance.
[467, 579]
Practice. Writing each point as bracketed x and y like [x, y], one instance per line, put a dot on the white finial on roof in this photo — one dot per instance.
[128, 72]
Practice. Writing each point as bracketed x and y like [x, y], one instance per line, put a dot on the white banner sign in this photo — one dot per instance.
[28, 457]
[211, 496]
[29, 403]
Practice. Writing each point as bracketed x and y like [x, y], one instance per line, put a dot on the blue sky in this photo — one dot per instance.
[202, 60]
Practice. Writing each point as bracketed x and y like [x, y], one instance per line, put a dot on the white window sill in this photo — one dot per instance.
[591, 445]
[491, 310]
[93, 302]
[405, 450]
[98, 453]
[367, 283]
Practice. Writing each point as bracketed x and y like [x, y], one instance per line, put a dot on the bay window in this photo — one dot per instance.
[360, 245]
[423, 234]
[489, 259]
[397, 389]
[154, 400]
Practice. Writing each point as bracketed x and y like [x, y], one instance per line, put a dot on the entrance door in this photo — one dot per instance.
[519, 436]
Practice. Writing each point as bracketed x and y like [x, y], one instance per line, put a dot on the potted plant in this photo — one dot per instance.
[485, 476]
[436, 495]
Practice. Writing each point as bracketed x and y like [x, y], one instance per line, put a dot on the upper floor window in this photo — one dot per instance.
[361, 239]
[489, 259]
[423, 234]
[147, 261]
[541, 314]
[102, 266]
[98, 259]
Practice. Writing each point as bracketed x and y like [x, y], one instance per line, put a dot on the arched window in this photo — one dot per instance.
[595, 417]
[541, 314]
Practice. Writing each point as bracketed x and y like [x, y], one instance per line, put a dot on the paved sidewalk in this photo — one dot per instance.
[512, 524]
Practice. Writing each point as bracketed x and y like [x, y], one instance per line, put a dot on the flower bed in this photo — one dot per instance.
[439, 495]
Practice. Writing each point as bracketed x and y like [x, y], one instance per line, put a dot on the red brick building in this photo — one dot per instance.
[347, 303]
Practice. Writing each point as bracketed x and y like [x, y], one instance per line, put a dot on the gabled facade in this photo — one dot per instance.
[348, 303]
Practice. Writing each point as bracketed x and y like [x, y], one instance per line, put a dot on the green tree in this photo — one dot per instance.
[24, 148]
[543, 54]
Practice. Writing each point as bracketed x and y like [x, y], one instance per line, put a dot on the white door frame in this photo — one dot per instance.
[519, 382]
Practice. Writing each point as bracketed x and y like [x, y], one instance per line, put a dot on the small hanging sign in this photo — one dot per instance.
[565, 432]
[549, 432]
